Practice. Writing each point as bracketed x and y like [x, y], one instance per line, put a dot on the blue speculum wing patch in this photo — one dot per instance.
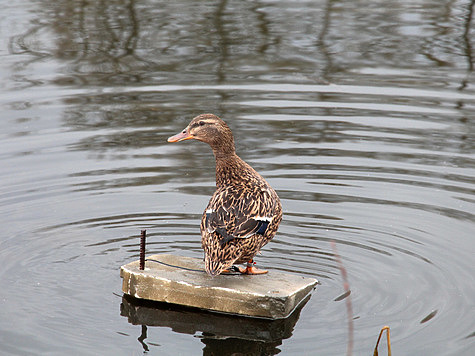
[263, 224]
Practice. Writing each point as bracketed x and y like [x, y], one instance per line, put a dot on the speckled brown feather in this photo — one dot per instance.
[241, 195]
[244, 194]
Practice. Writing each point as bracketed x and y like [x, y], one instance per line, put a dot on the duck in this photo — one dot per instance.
[244, 212]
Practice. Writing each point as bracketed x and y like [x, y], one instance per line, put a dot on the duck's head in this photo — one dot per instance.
[210, 129]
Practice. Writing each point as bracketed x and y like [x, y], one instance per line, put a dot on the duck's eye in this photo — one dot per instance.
[201, 123]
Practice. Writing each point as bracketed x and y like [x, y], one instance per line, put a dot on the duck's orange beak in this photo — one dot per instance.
[184, 135]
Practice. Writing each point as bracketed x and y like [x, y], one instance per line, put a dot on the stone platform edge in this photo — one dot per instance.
[251, 296]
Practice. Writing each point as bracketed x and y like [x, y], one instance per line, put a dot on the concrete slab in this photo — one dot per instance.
[182, 280]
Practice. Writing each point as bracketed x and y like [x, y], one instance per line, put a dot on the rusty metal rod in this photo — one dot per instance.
[143, 236]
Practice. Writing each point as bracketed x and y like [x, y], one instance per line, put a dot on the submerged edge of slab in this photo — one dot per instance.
[182, 280]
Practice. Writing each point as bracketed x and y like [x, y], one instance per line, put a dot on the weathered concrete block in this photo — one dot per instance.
[182, 280]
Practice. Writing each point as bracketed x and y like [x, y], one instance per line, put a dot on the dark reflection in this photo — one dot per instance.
[466, 36]
[142, 337]
[135, 44]
[127, 41]
[222, 334]
[428, 317]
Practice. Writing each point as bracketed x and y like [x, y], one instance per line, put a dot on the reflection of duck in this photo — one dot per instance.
[222, 334]
[244, 212]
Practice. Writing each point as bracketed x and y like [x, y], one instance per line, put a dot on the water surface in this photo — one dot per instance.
[361, 116]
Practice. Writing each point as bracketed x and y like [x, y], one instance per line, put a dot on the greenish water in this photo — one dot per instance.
[360, 115]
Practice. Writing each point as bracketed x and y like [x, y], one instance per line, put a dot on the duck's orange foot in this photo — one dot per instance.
[250, 269]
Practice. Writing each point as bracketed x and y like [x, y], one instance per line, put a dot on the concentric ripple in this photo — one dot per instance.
[359, 115]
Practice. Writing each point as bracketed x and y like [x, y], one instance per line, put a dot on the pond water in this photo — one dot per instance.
[359, 114]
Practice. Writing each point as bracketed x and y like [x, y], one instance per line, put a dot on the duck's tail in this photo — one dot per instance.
[217, 258]
[215, 267]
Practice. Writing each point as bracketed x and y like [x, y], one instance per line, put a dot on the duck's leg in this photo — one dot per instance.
[250, 269]
[231, 270]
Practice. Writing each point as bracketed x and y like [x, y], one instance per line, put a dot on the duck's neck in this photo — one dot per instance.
[223, 146]
[229, 169]
[224, 154]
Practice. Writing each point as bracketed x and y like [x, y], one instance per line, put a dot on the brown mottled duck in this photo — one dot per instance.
[244, 212]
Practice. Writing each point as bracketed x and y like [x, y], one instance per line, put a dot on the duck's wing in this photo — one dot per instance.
[238, 214]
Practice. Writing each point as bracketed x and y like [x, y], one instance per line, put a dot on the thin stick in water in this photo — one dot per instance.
[143, 235]
[375, 353]
[349, 308]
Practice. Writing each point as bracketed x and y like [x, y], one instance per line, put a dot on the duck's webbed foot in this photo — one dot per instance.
[250, 269]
